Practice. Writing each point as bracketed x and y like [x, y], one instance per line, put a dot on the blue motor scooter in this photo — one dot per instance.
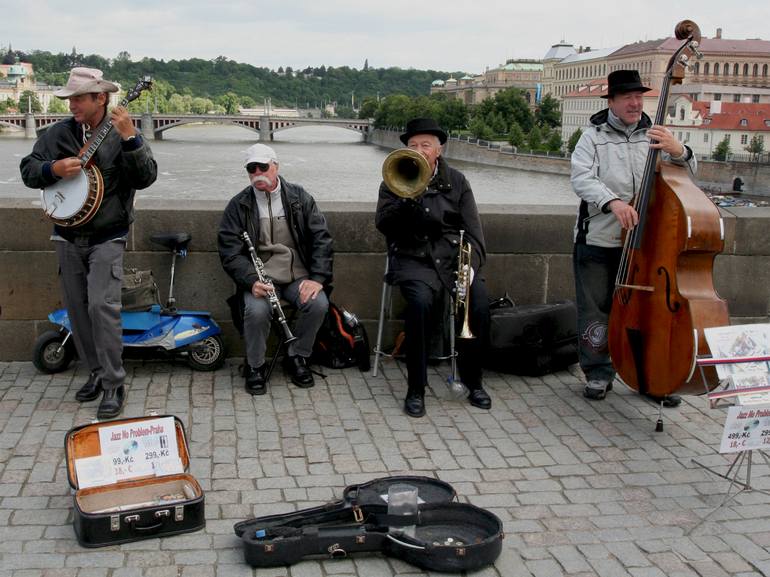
[192, 334]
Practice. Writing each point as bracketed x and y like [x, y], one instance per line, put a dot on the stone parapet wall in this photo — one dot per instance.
[530, 258]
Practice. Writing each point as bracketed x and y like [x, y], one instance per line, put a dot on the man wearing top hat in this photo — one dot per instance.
[423, 243]
[292, 239]
[91, 255]
[607, 169]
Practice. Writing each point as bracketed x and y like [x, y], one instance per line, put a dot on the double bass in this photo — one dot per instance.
[664, 294]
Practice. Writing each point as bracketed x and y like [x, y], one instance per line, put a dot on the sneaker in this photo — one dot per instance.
[597, 389]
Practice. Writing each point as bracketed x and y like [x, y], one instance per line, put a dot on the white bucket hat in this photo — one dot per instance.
[85, 81]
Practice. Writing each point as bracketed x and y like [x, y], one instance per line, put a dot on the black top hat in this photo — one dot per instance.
[621, 81]
[423, 126]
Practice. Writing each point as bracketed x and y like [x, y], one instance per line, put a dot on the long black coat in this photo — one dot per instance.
[423, 233]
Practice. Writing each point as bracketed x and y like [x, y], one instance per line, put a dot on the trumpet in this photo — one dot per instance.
[463, 286]
[406, 173]
[272, 297]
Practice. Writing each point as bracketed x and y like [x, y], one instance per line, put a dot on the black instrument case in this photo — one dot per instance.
[104, 515]
[448, 536]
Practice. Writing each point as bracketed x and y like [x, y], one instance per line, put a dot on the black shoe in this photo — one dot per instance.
[299, 371]
[667, 401]
[256, 383]
[414, 405]
[91, 390]
[479, 398]
[112, 402]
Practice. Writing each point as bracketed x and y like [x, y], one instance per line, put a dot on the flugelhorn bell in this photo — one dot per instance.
[406, 173]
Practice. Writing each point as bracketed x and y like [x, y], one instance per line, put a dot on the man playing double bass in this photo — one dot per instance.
[91, 255]
[607, 168]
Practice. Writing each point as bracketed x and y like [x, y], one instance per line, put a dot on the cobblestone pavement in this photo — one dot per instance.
[583, 488]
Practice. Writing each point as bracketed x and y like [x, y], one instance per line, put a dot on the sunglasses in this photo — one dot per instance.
[252, 167]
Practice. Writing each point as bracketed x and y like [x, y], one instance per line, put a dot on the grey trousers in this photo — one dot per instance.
[90, 281]
[258, 314]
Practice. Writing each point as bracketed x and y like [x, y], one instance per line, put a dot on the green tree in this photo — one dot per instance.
[554, 142]
[573, 140]
[6, 105]
[548, 113]
[535, 139]
[57, 106]
[368, 108]
[480, 129]
[756, 147]
[722, 149]
[516, 135]
[344, 111]
[177, 105]
[27, 100]
[201, 105]
[229, 102]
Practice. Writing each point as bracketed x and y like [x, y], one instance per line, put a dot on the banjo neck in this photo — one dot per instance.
[86, 153]
[89, 149]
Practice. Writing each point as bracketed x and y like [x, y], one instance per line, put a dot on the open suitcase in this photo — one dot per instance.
[128, 505]
[447, 536]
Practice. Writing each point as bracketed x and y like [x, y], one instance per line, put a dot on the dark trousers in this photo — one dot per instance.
[421, 306]
[90, 280]
[595, 268]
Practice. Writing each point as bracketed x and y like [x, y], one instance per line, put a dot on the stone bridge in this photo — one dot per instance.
[154, 125]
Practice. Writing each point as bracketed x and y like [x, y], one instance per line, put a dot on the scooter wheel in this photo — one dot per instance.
[207, 355]
[49, 355]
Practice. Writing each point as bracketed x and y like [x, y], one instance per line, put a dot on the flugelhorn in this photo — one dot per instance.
[272, 297]
[406, 173]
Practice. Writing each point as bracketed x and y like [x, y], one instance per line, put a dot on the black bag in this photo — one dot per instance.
[341, 341]
[138, 291]
[532, 339]
[448, 536]
[133, 508]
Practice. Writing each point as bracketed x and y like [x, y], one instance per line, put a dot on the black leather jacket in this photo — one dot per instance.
[422, 234]
[125, 167]
[306, 223]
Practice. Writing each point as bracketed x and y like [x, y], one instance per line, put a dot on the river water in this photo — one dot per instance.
[205, 162]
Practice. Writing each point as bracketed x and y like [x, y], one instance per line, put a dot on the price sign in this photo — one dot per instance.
[746, 428]
[141, 448]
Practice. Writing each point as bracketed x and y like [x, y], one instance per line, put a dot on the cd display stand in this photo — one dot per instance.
[743, 458]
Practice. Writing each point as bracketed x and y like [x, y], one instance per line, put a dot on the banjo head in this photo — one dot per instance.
[65, 198]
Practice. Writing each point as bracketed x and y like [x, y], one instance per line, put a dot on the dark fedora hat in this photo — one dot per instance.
[423, 126]
[621, 81]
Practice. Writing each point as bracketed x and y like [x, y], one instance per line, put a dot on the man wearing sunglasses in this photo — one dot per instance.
[293, 241]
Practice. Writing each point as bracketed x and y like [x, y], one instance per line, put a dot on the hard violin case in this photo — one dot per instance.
[447, 536]
[136, 508]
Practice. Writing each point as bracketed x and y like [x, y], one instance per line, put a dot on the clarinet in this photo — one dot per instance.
[271, 296]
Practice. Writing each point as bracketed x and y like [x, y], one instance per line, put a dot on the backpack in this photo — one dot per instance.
[341, 341]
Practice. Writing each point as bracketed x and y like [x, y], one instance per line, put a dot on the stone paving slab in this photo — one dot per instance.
[583, 488]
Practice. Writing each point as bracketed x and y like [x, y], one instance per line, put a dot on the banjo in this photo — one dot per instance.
[74, 201]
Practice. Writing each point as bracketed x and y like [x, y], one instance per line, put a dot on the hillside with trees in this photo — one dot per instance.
[214, 79]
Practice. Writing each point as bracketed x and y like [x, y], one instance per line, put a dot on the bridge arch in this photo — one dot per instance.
[162, 123]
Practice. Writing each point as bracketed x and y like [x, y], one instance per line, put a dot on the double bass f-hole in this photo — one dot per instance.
[675, 307]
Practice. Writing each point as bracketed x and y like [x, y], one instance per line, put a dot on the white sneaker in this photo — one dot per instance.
[596, 390]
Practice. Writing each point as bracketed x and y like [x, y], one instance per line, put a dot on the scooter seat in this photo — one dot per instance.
[172, 240]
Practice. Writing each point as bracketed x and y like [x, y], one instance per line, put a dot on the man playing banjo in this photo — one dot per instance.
[90, 252]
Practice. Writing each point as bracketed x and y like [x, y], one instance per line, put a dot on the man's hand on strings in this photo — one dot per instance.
[625, 213]
[666, 141]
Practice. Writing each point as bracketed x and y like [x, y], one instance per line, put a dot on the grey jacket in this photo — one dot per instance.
[608, 164]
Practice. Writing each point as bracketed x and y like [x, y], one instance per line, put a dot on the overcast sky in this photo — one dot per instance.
[444, 35]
